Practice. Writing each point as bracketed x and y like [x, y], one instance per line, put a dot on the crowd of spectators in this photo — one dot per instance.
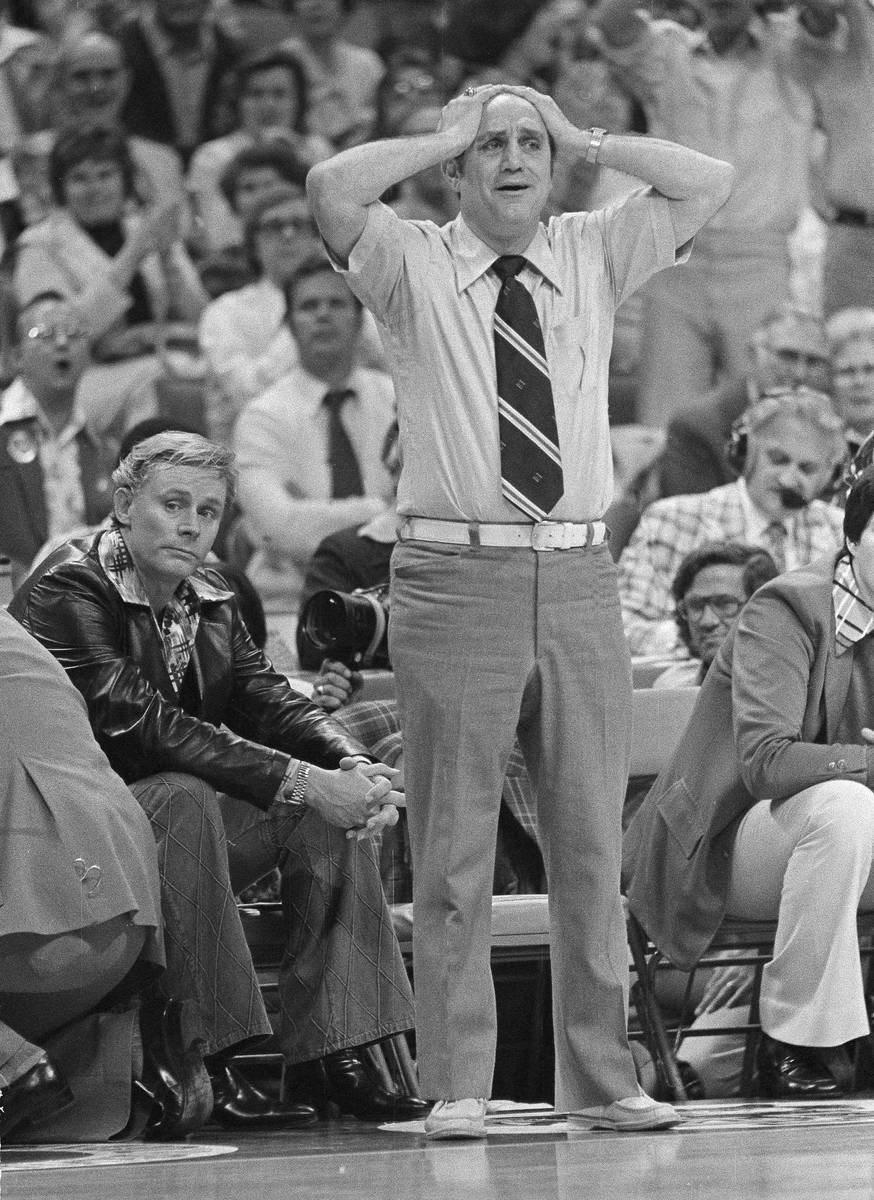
[160, 262]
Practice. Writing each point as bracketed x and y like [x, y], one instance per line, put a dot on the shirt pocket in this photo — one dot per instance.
[682, 816]
[567, 354]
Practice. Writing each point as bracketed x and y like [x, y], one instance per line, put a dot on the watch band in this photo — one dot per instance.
[596, 137]
[296, 797]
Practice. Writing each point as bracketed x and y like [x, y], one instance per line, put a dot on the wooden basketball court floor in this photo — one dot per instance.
[348, 1158]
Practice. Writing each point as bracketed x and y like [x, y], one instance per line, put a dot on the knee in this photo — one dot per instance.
[843, 811]
[172, 798]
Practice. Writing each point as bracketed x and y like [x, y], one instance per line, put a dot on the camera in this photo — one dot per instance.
[351, 627]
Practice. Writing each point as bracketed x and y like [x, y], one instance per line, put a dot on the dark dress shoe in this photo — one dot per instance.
[341, 1079]
[792, 1073]
[173, 1071]
[38, 1094]
[238, 1104]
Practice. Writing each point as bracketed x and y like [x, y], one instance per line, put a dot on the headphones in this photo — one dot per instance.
[807, 402]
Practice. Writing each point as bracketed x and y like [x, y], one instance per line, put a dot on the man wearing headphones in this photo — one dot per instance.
[787, 447]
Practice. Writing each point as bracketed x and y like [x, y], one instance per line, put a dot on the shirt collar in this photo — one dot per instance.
[854, 619]
[18, 403]
[118, 565]
[472, 257]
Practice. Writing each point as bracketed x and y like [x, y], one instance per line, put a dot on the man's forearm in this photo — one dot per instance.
[361, 174]
[676, 171]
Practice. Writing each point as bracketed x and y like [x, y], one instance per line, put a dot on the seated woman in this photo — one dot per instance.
[766, 811]
[272, 103]
[126, 271]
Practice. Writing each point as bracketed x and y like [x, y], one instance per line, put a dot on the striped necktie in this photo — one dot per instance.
[531, 474]
[342, 459]
[775, 542]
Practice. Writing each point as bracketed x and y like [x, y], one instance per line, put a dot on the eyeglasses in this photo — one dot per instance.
[725, 607]
[288, 225]
[54, 333]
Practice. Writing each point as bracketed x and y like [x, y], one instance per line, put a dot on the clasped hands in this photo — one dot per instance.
[462, 115]
[358, 797]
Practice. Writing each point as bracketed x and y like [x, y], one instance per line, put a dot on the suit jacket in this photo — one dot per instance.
[235, 722]
[147, 110]
[762, 728]
[23, 517]
[76, 849]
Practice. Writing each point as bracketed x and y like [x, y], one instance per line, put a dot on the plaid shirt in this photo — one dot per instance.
[178, 626]
[670, 528]
[854, 619]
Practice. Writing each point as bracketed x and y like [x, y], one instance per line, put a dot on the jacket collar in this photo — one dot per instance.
[119, 569]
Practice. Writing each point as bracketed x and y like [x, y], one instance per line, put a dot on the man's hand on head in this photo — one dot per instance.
[462, 115]
[565, 134]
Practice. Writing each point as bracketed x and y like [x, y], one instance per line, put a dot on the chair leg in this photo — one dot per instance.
[655, 1034]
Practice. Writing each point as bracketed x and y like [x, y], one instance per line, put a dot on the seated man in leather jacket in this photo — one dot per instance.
[176, 688]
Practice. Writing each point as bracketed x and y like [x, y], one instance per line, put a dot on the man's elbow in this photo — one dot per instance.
[723, 182]
[316, 182]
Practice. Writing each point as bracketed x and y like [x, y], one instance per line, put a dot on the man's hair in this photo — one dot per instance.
[269, 60]
[175, 449]
[849, 325]
[314, 264]
[788, 314]
[758, 568]
[860, 505]
[802, 404]
[272, 154]
[96, 145]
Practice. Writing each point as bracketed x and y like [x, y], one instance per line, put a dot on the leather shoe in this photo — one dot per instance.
[38, 1094]
[173, 1071]
[238, 1104]
[341, 1079]
[789, 1072]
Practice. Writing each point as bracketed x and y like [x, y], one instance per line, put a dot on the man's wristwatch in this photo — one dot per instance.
[596, 137]
[296, 797]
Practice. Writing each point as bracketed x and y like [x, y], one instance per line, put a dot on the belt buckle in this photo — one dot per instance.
[549, 535]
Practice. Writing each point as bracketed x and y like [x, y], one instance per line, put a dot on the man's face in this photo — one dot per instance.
[787, 452]
[324, 318]
[268, 101]
[794, 353]
[853, 372]
[171, 522]
[181, 14]
[93, 80]
[251, 185]
[286, 236]
[53, 349]
[504, 177]
[318, 18]
[711, 603]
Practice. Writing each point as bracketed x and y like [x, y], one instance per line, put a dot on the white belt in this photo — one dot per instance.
[542, 535]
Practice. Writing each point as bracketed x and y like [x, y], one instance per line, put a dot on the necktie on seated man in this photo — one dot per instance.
[342, 459]
[531, 474]
[775, 542]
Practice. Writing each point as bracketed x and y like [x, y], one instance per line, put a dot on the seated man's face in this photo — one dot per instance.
[711, 603]
[787, 456]
[324, 318]
[286, 235]
[854, 383]
[53, 348]
[170, 522]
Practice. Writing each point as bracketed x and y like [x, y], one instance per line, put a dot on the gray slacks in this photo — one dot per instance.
[342, 980]
[486, 643]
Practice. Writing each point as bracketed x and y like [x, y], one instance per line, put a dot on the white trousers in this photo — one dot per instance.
[806, 862]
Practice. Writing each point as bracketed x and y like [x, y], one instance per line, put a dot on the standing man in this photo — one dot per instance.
[491, 635]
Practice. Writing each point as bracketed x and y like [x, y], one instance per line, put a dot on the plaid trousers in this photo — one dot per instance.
[342, 981]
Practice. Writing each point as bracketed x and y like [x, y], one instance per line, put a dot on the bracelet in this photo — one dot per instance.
[295, 798]
[596, 137]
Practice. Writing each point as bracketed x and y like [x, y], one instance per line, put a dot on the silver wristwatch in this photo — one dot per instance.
[296, 797]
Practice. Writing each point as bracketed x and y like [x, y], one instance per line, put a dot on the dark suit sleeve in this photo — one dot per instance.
[688, 463]
[776, 661]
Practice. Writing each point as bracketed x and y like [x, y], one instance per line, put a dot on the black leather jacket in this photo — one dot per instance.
[236, 721]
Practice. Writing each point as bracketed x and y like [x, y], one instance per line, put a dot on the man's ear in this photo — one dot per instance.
[121, 502]
[451, 168]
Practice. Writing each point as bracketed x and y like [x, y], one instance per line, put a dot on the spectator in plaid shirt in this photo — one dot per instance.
[791, 443]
